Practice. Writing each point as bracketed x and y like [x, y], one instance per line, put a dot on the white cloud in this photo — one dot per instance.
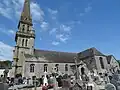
[44, 26]
[6, 2]
[55, 43]
[6, 51]
[53, 31]
[88, 9]
[59, 36]
[65, 28]
[6, 12]
[74, 23]
[62, 38]
[13, 8]
[81, 14]
[53, 12]
[54, 17]
[11, 32]
[16, 6]
[8, 32]
[62, 33]
[37, 12]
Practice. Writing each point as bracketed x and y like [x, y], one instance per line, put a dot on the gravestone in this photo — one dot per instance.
[5, 75]
[55, 84]
[1, 78]
[66, 84]
[59, 80]
[110, 86]
[116, 81]
[89, 88]
[30, 81]
[78, 82]
[85, 77]
[106, 79]
[16, 81]
[77, 87]
[3, 86]
[45, 80]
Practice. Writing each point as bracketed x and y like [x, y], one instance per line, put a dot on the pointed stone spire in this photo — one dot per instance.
[26, 8]
[26, 15]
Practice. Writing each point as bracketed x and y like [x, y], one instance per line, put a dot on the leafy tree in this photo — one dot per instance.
[5, 64]
[118, 62]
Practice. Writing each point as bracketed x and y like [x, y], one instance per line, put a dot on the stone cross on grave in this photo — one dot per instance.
[78, 83]
[5, 75]
[55, 83]
[45, 80]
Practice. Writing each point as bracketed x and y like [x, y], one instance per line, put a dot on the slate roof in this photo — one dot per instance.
[89, 52]
[63, 57]
[54, 56]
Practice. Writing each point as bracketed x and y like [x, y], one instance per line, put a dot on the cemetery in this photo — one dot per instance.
[54, 81]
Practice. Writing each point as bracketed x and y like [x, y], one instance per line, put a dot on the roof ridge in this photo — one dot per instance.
[55, 51]
[88, 49]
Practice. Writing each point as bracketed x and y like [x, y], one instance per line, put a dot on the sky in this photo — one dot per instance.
[64, 25]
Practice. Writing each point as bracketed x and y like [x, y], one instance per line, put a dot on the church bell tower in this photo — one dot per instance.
[24, 38]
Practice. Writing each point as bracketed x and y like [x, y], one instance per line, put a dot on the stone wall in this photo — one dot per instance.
[90, 62]
[39, 69]
[38, 88]
[98, 64]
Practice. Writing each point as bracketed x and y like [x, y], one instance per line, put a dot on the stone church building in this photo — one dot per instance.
[30, 62]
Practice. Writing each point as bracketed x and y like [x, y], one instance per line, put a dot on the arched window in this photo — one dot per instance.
[57, 67]
[45, 67]
[82, 71]
[32, 67]
[27, 28]
[66, 67]
[23, 27]
[101, 62]
[26, 43]
[23, 42]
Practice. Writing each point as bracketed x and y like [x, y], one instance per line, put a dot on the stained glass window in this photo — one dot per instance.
[101, 62]
[32, 67]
